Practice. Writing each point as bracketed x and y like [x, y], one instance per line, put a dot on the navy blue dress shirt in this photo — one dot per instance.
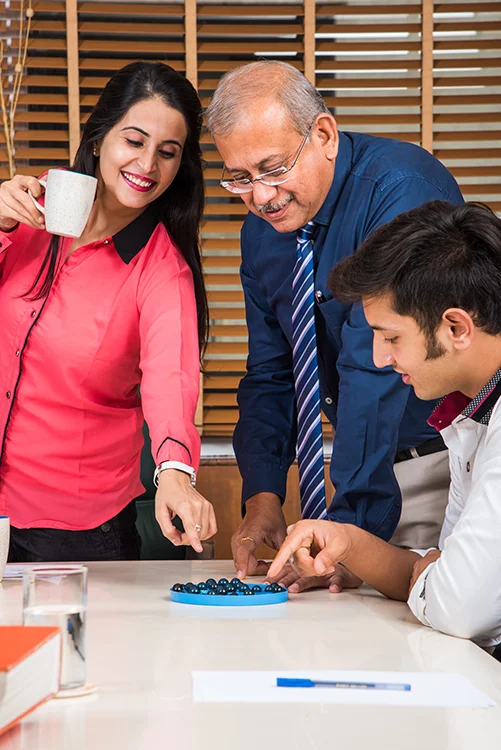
[373, 412]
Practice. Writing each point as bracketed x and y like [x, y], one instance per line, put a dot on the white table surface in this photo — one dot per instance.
[142, 649]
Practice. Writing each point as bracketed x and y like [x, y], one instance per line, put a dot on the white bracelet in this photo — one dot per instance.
[175, 465]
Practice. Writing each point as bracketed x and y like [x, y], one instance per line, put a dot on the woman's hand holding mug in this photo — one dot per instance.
[16, 204]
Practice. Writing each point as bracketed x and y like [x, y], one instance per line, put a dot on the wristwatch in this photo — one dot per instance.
[175, 465]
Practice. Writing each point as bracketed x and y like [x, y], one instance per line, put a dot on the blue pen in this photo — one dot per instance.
[298, 682]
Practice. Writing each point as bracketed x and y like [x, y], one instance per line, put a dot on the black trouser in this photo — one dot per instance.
[116, 539]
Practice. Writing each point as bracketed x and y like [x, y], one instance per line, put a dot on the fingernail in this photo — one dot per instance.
[335, 589]
[239, 574]
[294, 588]
[320, 567]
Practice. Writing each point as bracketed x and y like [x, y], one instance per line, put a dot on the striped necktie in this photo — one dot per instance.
[309, 441]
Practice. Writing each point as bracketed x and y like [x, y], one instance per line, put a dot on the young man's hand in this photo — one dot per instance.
[341, 579]
[422, 564]
[316, 547]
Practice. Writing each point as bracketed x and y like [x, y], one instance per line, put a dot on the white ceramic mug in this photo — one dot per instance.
[68, 201]
[4, 542]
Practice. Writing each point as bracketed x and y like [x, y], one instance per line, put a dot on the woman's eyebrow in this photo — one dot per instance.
[147, 135]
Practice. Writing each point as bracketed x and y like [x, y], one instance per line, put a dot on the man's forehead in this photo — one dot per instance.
[380, 313]
[258, 136]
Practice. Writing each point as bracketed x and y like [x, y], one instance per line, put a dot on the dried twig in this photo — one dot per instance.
[9, 102]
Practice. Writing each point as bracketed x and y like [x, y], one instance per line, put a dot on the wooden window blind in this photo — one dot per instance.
[228, 36]
[467, 96]
[423, 71]
[41, 133]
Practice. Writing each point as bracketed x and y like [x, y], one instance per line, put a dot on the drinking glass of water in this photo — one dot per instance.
[57, 596]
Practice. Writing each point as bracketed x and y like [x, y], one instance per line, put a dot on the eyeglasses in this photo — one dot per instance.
[272, 179]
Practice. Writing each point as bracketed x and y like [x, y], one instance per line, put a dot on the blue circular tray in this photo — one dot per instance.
[240, 600]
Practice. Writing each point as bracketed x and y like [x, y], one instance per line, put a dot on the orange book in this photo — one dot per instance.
[30, 666]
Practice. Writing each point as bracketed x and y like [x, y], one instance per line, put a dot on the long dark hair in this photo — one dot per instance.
[180, 207]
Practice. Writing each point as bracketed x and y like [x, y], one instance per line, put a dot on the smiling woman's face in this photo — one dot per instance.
[140, 156]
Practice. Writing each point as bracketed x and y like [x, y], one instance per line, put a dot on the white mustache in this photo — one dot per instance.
[270, 206]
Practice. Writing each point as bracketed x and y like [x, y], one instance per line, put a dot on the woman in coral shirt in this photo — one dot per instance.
[86, 321]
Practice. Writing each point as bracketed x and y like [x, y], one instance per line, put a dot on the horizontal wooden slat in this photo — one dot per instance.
[232, 10]
[219, 382]
[476, 171]
[335, 47]
[218, 331]
[225, 348]
[216, 366]
[468, 135]
[108, 63]
[441, 118]
[50, 117]
[92, 27]
[225, 208]
[226, 296]
[475, 153]
[222, 226]
[367, 10]
[223, 280]
[220, 399]
[383, 26]
[135, 9]
[230, 313]
[58, 154]
[358, 82]
[37, 135]
[250, 29]
[479, 188]
[220, 244]
[217, 261]
[285, 45]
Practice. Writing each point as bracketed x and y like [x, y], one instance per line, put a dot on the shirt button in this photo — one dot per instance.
[18, 353]
[468, 466]
[8, 394]
[106, 242]
[33, 313]
[328, 400]
[105, 527]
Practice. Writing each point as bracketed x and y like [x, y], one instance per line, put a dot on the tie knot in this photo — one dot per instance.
[306, 232]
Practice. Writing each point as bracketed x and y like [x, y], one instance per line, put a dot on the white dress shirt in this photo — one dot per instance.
[460, 593]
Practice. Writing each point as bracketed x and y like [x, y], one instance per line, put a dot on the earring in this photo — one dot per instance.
[94, 151]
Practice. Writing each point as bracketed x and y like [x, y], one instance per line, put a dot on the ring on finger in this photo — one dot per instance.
[198, 528]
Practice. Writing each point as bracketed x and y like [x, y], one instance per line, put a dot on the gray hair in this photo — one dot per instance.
[263, 80]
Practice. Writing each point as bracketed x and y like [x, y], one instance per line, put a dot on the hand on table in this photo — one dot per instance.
[340, 579]
[263, 522]
[16, 205]
[422, 564]
[175, 496]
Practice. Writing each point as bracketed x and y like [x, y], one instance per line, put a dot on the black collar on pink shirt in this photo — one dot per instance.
[132, 238]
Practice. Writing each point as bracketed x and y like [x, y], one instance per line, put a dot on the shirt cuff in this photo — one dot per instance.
[417, 596]
[173, 450]
[263, 478]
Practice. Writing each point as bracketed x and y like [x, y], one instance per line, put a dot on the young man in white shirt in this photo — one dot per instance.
[430, 285]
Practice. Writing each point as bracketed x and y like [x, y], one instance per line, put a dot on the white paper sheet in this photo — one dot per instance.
[427, 689]
[15, 570]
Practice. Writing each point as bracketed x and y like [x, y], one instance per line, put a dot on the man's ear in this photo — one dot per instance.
[325, 129]
[458, 327]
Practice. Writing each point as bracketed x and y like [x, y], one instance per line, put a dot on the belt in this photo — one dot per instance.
[435, 445]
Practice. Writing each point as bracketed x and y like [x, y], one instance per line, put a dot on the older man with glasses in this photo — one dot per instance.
[314, 194]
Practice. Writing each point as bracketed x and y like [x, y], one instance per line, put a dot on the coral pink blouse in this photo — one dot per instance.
[121, 313]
